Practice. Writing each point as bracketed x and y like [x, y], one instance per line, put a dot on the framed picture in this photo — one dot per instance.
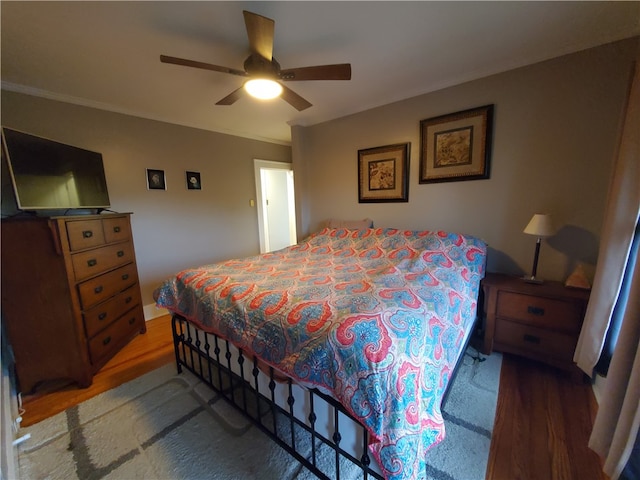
[383, 174]
[456, 146]
[193, 181]
[156, 180]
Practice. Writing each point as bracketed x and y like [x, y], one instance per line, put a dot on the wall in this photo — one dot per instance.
[556, 128]
[172, 229]
[555, 134]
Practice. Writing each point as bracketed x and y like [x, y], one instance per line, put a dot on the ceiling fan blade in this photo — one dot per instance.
[232, 97]
[341, 71]
[294, 99]
[260, 32]
[206, 66]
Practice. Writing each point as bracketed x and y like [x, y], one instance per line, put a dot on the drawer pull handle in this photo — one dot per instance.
[116, 229]
[92, 262]
[531, 339]
[87, 234]
[102, 316]
[98, 289]
[535, 310]
[132, 320]
[125, 276]
[120, 253]
[106, 341]
[128, 300]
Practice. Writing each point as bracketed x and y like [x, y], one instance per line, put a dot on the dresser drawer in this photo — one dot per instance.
[101, 288]
[111, 338]
[94, 262]
[116, 229]
[104, 313]
[537, 341]
[85, 234]
[543, 312]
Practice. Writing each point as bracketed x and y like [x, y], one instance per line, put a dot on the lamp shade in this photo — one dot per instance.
[540, 225]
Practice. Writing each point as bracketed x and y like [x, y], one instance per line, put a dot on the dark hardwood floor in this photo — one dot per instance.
[542, 427]
[144, 353]
[543, 418]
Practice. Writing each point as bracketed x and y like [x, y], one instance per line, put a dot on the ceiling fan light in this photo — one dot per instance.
[263, 88]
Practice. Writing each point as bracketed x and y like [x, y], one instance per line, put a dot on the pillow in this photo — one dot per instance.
[350, 224]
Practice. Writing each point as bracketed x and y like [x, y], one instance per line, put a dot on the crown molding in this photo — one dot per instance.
[58, 97]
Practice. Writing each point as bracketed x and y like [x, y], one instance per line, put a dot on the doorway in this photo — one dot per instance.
[276, 205]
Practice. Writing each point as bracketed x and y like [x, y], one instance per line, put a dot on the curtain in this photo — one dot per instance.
[617, 422]
[616, 426]
[617, 316]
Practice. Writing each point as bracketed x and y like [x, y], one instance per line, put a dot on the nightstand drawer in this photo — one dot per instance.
[542, 343]
[543, 312]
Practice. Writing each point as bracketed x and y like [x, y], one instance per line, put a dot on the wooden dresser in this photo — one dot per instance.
[538, 321]
[70, 294]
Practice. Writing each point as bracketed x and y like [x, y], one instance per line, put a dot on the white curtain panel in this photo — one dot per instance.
[616, 425]
[619, 226]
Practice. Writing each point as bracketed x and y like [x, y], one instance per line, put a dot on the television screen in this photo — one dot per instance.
[49, 175]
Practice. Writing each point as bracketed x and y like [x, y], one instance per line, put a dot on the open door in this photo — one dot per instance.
[276, 205]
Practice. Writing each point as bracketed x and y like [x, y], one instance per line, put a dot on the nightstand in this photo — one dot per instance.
[537, 321]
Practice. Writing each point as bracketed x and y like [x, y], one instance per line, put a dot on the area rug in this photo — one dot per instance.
[168, 426]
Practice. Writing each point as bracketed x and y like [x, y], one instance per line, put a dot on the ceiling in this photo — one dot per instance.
[106, 54]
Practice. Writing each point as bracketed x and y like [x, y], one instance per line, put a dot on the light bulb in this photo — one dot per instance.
[263, 88]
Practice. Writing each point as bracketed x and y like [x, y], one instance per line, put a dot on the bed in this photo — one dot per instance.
[371, 322]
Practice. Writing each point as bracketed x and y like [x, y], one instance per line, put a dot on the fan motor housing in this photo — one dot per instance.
[257, 65]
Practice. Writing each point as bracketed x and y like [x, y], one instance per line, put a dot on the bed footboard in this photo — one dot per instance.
[314, 428]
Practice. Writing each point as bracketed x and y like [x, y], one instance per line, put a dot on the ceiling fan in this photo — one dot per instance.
[261, 65]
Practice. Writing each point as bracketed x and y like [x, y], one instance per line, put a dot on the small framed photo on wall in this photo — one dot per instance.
[193, 181]
[156, 179]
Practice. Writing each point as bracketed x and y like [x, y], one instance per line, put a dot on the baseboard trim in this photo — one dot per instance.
[151, 312]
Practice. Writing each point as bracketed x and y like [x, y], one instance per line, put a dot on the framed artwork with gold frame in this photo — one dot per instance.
[456, 146]
[383, 174]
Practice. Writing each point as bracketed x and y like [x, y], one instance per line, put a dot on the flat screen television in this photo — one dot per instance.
[48, 175]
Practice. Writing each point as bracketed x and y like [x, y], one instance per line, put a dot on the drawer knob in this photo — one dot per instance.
[116, 229]
[102, 316]
[132, 320]
[98, 289]
[120, 253]
[125, 276]
[535, 310]
[128, 300]
[531, 339]
[92, 262]
[106, 341]
[87, 234]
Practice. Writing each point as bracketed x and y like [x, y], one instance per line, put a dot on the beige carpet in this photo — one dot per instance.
[165, 426]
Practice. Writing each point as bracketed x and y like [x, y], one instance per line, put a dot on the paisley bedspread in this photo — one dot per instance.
[376, 318]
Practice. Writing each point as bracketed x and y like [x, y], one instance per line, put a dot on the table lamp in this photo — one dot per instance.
[541, 226]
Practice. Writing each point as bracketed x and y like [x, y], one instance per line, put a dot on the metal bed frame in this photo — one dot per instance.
[282, 409]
